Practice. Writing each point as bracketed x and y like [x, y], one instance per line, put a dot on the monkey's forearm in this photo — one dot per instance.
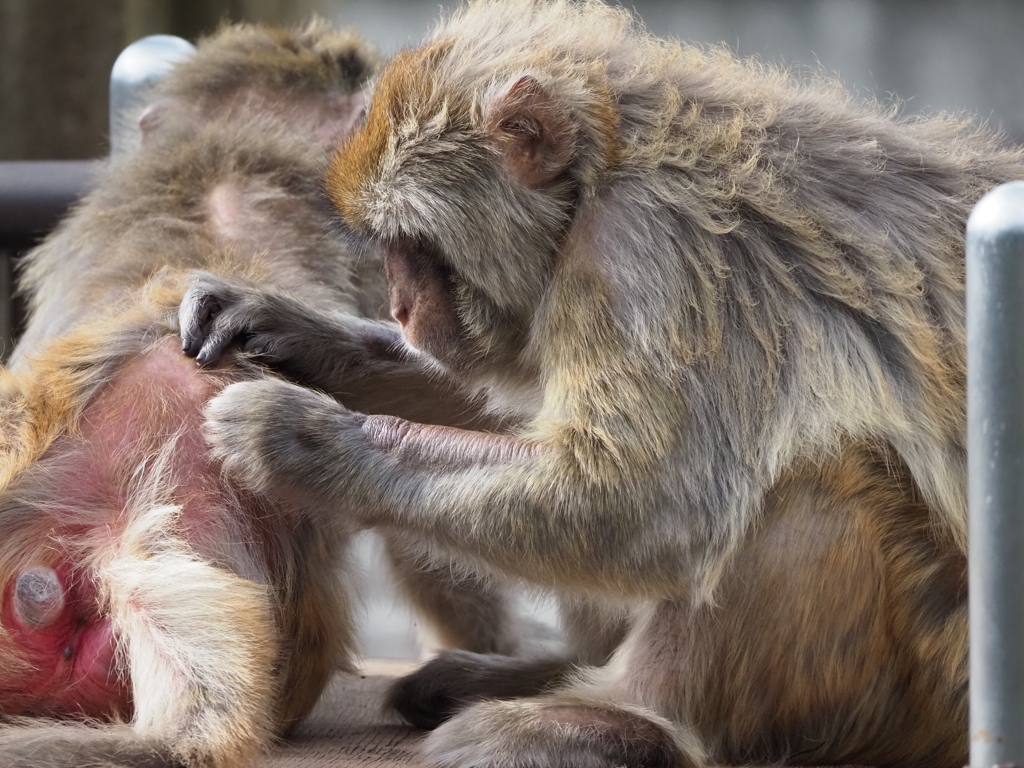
[363, 363]
[217, 313]
[365, 366]
[523, 507]
[206, 636]
[504, 507]
[499, 500]
[420, 446]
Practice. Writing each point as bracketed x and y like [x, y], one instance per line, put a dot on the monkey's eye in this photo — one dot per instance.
[38, 597]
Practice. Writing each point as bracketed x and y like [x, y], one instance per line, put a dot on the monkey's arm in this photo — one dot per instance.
[507, 503]
[363, 363]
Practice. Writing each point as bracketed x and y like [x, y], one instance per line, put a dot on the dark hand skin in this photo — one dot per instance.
[319, 349]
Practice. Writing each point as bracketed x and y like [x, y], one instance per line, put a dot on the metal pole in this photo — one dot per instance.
[995, 434]
[35, 194]
[136, 70]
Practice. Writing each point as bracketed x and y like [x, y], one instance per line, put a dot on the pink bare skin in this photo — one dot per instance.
[71, 645]
[73, 657]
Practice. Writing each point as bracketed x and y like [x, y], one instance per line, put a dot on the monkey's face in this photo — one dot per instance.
[470, 196]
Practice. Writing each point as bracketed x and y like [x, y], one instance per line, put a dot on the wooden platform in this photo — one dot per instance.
[348, 728]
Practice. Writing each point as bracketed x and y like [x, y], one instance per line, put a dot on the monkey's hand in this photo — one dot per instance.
[290, 443]
[364, 363]
[217, 313]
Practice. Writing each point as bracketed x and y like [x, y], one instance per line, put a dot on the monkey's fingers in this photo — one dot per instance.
[218, 338]
[196, 309]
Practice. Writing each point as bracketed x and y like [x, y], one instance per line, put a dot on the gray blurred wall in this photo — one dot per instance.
[934, 54]
[55, 55]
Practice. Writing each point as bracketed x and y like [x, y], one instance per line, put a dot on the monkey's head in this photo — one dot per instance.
[468, 171]
[312, 77]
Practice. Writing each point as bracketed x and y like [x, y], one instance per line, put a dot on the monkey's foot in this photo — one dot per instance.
[560, 731]
[454, 679]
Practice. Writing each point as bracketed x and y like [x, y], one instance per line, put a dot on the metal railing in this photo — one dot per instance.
[995, 435]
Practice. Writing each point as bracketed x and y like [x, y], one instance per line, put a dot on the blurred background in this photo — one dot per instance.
[55, 55]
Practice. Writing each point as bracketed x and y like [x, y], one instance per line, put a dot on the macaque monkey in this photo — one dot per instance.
[138, 585]
[729, 307]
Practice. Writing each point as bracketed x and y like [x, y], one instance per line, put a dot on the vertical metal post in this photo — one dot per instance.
[136, 70]
[6, 303]
[995, 432]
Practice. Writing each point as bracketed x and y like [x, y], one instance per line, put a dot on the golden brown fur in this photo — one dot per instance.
[839, 636]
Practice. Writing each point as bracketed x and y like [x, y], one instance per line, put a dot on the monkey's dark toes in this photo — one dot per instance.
[421, 703]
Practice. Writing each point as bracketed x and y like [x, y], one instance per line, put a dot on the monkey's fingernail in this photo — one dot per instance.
[190, 344]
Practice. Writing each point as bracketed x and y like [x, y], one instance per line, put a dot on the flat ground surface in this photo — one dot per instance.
[348, 729]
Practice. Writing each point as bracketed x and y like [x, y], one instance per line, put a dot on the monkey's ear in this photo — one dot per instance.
[151, 117]
[533, 131]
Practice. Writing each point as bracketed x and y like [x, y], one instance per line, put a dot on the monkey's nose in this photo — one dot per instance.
[401, 314]
[38, 597]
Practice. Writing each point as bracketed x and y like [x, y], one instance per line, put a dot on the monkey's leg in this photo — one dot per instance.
[454, 679]
[572, 728]
[31, 743]
[201, 646]
[464, 610]
[838, 633]
[200, 652]
[593, 628]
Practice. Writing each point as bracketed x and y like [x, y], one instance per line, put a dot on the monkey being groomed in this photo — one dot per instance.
[139, 585]
[729, 306]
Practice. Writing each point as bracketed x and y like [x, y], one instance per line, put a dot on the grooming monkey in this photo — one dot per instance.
[731, 306]
[137, 584]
